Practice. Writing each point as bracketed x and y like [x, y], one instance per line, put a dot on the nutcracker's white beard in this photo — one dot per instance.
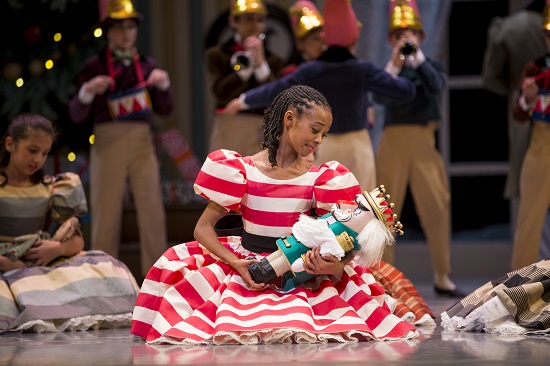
[373, 239]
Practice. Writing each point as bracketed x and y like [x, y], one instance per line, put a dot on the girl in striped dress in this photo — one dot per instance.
[47, 282]
[201, 292]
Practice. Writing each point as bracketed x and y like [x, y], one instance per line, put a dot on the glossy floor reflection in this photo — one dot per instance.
[433, 347]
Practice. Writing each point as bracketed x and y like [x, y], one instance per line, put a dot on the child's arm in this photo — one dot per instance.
[66, 242]
[7, 264]
[45, 251]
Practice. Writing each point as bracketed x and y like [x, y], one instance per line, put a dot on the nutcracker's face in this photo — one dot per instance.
[354, 214]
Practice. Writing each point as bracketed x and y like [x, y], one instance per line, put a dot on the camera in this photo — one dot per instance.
[407, 50]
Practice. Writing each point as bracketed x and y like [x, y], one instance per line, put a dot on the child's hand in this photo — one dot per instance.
[530, 89]
[396, 58]
[315, 263]
[241, 266]
[233, 107]
[43, 252]
[159, 78]
[98, 84]
[6, 264]
[255, 46]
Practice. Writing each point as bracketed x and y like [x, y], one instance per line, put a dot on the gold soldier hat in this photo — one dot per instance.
[239, 7]
[117, 10]
[304, 17]
[404, 14]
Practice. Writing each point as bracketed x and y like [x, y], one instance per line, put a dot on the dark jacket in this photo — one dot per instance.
[429, 80]
[345, 81]
[98, 110]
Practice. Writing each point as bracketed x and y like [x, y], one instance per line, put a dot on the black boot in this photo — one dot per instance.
[262, 272]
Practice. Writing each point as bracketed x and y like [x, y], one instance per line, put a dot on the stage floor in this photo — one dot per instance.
[433, 347]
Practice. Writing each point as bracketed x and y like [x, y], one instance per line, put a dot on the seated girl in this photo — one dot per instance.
[47, 281]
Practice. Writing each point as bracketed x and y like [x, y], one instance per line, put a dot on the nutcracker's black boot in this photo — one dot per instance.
[262, 272]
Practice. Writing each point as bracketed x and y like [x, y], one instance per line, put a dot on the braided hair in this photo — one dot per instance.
[19, 129]
[301, 98]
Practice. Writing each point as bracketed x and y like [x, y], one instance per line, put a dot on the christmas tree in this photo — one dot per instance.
[44, 43]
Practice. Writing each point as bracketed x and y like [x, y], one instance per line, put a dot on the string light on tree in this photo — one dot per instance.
[40, 60]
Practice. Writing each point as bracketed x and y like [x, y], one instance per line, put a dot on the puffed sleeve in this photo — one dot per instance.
[222, 179]
[68, 198]
[335, 182]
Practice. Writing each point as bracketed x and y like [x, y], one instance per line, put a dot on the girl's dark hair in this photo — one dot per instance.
[19, 129]
[300, 97]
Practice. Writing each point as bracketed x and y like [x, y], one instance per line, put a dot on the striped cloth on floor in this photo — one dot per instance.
[516, 303]
[400, 288]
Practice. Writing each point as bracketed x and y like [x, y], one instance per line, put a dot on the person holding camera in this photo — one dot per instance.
[241, 63]
[347, 83]
[409, 139]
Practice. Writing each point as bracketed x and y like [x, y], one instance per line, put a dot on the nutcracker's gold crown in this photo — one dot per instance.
[383, 210]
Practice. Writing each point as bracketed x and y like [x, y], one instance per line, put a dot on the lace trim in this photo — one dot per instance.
[81, 323]
[425, 320]
[280, 336]
[408, 317]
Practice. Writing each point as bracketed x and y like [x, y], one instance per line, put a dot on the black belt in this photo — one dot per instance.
[259, 243]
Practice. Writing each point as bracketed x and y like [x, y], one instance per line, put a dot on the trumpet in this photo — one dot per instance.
[407, 50]
[242, 60]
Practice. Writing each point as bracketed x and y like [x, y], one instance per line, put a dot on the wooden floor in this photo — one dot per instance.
[433, 347]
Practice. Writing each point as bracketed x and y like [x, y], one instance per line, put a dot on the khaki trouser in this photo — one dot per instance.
[534, 201]
[354, 150]
[407, 156]
[242, 133]
[123, 153]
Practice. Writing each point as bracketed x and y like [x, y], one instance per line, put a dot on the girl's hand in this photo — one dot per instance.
[255, 46]
[317, 264]
[530, 89]
[241, 266]
[396, 59]
[43, 252]
[159, 78]
[6, 264]
[98, 84]
[233, 107]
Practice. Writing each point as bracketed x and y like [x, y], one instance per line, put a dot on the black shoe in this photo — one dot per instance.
[450, 293]
[262, 272]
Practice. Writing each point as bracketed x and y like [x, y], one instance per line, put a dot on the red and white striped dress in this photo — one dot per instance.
[189, 297]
